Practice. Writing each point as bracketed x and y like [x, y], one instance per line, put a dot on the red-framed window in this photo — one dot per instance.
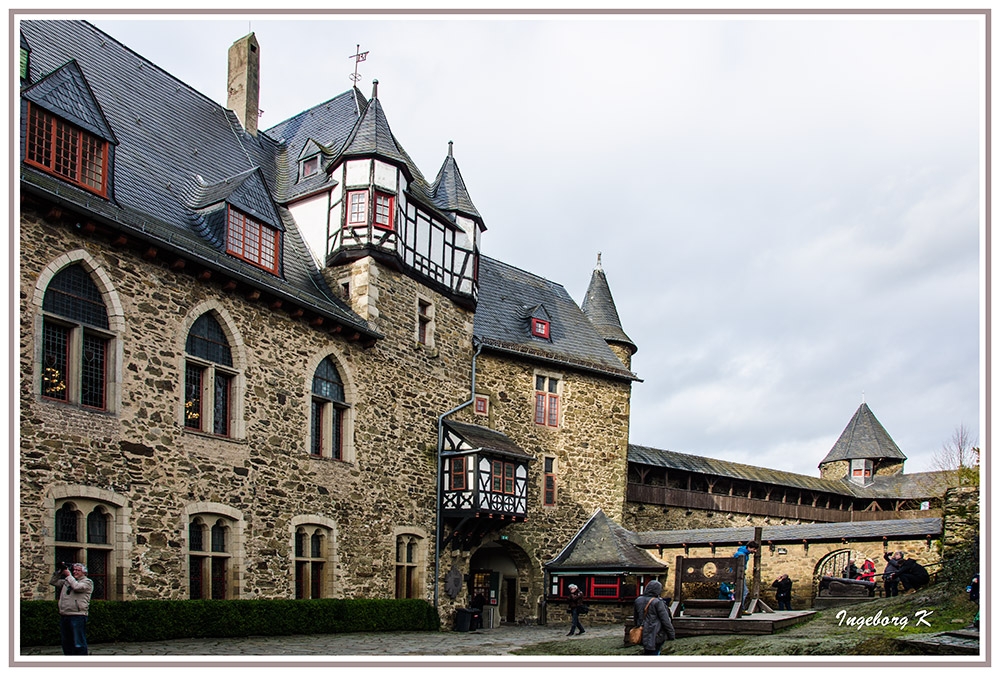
[549, 497]
[546, 401]
[383, 211]
[457, 473]
[357, 207]
[482, 406]
[67, 151]
[503, 477]
[253, 241]
[539, 328]
[604, 587]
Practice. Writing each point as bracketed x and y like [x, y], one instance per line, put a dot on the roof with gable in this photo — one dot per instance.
[900, 486]
[174, 143]
[864, 437]
[603, 545]
[483, 438]
[506, 297]
[599, 306]
[66, 93]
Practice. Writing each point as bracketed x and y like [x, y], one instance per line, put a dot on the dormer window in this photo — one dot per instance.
[540, 328]
[60, 148]
[861, 471]
[309, 166]
[253, 241]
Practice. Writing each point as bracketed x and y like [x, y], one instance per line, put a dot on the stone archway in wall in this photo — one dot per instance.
[501, 571]
[834, 564]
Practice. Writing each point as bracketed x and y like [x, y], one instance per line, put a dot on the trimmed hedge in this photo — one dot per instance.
[130, 621]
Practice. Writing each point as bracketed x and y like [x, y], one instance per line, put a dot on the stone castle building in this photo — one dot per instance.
[277, 364]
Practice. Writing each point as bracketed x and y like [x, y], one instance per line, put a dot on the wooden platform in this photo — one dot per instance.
[758, 623]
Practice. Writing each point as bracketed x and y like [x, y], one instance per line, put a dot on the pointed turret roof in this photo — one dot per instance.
[599, 306]
[604, 545]
[864, 437]
[372, 136]
[449, 192]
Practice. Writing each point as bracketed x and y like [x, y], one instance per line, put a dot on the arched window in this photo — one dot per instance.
[326, 437]
[84, 534]
[208, 378]
[209, 555]
[311, 555]
[76, 340]
[409, 563]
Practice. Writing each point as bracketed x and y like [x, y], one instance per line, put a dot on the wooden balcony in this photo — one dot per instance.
[677, 497]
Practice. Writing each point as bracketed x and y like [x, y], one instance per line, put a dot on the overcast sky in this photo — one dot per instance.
[789, 209]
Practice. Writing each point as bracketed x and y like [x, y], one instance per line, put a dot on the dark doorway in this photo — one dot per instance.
[510, 598]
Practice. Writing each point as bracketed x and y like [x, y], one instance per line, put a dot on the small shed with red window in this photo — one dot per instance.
[603, 560]
[484, 481]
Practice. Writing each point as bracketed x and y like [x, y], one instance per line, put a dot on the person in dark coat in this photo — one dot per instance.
[478, 603]
[575, 603]
[653, 614]
[851, 572]
[783, 592]
[889, 574]
[912, 576]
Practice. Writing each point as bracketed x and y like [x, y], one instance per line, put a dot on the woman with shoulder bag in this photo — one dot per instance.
[575, 608]
[653, 615]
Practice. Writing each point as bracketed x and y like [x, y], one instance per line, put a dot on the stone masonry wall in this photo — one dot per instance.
[645, 517]
[589, 447]
[961, 518]
[800, 562]
[142, 458]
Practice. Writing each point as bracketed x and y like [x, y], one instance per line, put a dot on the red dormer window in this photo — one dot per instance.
[540, 328]
[67, 151]
[253, 241]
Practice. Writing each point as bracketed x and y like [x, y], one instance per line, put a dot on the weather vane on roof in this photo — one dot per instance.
[358, 57]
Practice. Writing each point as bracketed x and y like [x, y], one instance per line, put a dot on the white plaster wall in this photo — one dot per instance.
[310, 216]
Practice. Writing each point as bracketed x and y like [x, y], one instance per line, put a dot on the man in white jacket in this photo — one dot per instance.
[75, 589]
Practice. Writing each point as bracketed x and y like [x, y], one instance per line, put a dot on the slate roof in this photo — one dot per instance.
[864, 437]
[449, 191]
[169, 135]
[508, 295]
[603, 545]
[484, 438]
[854, 530]
[901, 486]
[599, 306]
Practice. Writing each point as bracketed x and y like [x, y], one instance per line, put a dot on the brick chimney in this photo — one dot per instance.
[244, 81]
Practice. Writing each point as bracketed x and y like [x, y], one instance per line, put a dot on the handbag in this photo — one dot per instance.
[633, 635]
[583, 610]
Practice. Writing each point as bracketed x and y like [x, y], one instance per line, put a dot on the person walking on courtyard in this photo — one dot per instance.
[653, 614]
[75, 589]
[783, 593]
[889, 574]
[575, 604]
[912, 576]
[868, 570]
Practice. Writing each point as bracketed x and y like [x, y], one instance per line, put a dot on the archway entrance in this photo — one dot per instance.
[836, 564]
[500, 571]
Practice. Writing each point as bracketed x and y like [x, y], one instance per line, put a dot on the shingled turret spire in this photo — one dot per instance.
[599, 306]
[863, 450]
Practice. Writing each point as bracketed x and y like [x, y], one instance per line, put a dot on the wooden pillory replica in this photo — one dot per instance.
[715, 571]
